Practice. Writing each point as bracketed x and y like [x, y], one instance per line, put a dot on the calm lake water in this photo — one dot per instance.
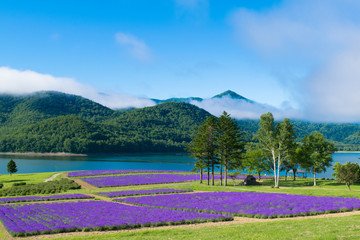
[35, 164]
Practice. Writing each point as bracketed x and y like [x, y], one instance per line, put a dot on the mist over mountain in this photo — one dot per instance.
[58, 122]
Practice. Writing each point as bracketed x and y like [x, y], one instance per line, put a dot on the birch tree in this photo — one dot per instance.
[278, 140]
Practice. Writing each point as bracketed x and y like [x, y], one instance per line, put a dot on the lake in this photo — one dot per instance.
[35, 164]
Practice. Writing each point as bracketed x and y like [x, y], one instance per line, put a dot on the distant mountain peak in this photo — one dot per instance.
[233, 95]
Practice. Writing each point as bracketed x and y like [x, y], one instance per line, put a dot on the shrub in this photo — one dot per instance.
[41, 188]
[19, 184]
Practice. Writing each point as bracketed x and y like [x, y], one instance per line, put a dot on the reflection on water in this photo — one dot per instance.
[34, 164]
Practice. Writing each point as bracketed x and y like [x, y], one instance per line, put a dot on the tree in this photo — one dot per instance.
[230, 146]
[292, 162]
[279, 141]
[199, 166]
[203, 146]
[316, 153]
[11, 167]
[255, 160]
[348, 173]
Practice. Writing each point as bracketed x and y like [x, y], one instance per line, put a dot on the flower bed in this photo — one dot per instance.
[45, 198]
[140, 179]
[143, 192]
[43, 218]
[116, 171]
[260, 205]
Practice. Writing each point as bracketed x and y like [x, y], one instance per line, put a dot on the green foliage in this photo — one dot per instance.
[276, 140]
[217, 142]
[51, 187]
[203, 146]
[316, 153]
[11, 167]
[163, 128]
[348, 173]
[19, 184]
[344, 135]
[19, 111]
[256, 160]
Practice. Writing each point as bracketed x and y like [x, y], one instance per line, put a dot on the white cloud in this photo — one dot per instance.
[13, 81]
[241, 109]
[137, 48]
[318, 38]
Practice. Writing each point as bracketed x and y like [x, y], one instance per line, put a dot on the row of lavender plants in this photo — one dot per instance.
[116, 171]
[141, 179]
[143, 192]
[134, 171]
[45, 198]
[259, 205]
[45, 218]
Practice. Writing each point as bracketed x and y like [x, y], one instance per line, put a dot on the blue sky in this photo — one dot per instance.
[300, 57]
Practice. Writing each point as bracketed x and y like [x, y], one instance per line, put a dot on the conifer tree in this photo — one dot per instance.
[11, 167]
[230, 147]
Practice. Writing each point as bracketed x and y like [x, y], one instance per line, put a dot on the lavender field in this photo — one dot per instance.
[143, 192]
[44, 198]
[118, 171]
[142, 179]
[264, 205]
[44, 218]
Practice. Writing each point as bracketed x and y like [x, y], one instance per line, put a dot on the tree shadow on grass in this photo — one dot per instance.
[15, 180]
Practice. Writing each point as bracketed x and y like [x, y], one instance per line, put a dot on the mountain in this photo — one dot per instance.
[18, 111]
[57, 122]
[345, 136]
[227, 93]
[184, 100]
[232, 95]
[172, 121]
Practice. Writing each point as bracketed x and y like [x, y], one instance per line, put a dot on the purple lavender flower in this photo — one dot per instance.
[44, 198]
[143, 192]
[29, 219]
[249, 203]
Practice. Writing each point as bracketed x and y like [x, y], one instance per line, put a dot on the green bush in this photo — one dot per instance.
[19, 184]
[51, 187]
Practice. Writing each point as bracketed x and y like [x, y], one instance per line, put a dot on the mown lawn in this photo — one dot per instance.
[8, 180]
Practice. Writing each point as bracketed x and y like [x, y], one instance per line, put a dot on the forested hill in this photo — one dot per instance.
[344, 135]
[19, 111]
[58, 122]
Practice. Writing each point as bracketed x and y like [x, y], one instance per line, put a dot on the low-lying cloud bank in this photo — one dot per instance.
[241, 109]
[13, 81]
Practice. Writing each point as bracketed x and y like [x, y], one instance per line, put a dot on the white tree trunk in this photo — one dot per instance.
[274, 161]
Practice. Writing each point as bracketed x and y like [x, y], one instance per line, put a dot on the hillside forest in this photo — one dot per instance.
[59, 122]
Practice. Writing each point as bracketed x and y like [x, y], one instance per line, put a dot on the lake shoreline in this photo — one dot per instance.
[60, 154]
[64, 154]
